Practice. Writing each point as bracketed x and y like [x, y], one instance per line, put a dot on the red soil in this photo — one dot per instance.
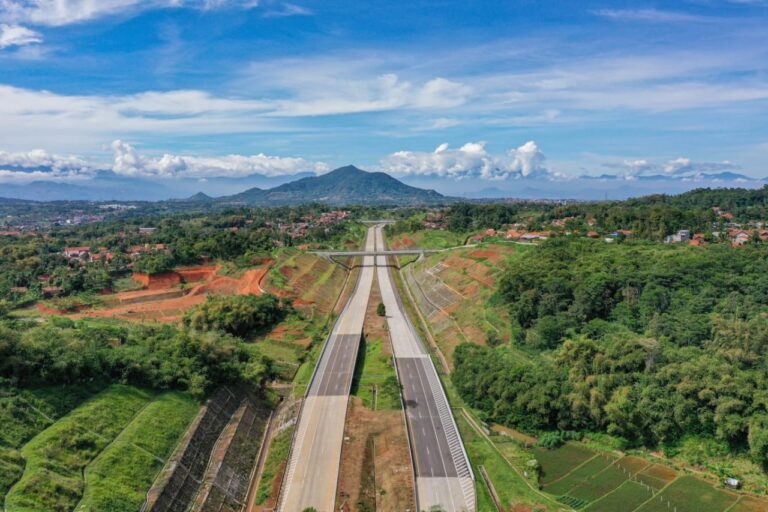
[164, 303]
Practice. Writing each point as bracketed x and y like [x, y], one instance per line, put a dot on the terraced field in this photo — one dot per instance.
[602, 482]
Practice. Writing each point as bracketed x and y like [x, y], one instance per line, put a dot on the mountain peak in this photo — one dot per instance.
[345, 185]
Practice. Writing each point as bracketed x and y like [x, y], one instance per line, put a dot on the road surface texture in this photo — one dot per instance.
[444, 478]
[313, 467]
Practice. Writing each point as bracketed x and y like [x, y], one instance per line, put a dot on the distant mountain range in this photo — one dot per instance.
[346, 185]
[350, 185]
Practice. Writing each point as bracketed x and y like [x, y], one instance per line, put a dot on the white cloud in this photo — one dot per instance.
[129, 162]
[680, 167]
[336, 95]
[38, 164]
[16, 35]
[38, 158]
[471, 160]
[652, 15]
[64, 12]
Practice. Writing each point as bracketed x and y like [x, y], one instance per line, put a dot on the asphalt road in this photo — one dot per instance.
[443, 476]
[313, 466]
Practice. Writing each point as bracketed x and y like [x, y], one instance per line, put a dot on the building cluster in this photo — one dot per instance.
[299, 229]
[435, 220]
[734, 233]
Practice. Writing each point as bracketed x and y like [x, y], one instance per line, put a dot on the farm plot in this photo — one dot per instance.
[120, 476]
[602, 483]
[557, 463]
[581, 474]
[628, 496]
[656, 476]
[690, 494]
[57, 457]
[596, 482]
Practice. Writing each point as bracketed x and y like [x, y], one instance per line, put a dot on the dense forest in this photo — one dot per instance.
[62, 351]
[649, 343]
[652, 217]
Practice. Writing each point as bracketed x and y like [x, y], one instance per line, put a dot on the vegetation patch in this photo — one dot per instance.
[375, 377]
[119, 478]
[277, 458]
[558, 462]
[627, 497]
[56, 458]
[690, 494]
[581, 474]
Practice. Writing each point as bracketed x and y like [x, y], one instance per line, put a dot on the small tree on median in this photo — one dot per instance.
[381, 310]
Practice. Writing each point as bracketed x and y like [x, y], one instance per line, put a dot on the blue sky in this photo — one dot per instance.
[460, 95]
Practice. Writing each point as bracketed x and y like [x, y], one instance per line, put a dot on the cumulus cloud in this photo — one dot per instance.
[129, 162]
[471, 160]
[16, 35]
[39, 164]
[40, 158]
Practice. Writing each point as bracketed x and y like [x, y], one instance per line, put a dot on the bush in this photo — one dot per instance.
[552, 440]
[238, 315]
[381, 310]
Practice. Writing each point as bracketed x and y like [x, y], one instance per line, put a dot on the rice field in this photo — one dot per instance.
[592, 481]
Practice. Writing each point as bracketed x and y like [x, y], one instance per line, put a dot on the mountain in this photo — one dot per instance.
[345, 185]
[200, 197]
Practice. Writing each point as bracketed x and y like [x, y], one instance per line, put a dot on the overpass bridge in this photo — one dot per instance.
[330, 255]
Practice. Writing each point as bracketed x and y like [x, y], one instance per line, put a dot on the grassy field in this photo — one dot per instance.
[26, 413]
[374, 368]
[119, 478]
[426, 239]
[278, 455]
[57, 457]
[510, 486]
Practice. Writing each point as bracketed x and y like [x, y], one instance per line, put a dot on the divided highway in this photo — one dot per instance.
[313, 467]
[444, 477]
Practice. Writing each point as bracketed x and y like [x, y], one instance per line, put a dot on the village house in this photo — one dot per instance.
[77, 253]
[681, 236]
[138, 250]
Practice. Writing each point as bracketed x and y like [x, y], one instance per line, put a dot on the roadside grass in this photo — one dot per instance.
[56, 458]
[119, 478]
[279, 450]
[510, 487]
[374, 368]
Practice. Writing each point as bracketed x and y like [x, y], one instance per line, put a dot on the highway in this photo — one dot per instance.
[444, 477]
[313, 466]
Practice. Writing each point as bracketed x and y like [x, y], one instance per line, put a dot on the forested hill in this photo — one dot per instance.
[737, 200]
[345, 185]
[649, 343]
